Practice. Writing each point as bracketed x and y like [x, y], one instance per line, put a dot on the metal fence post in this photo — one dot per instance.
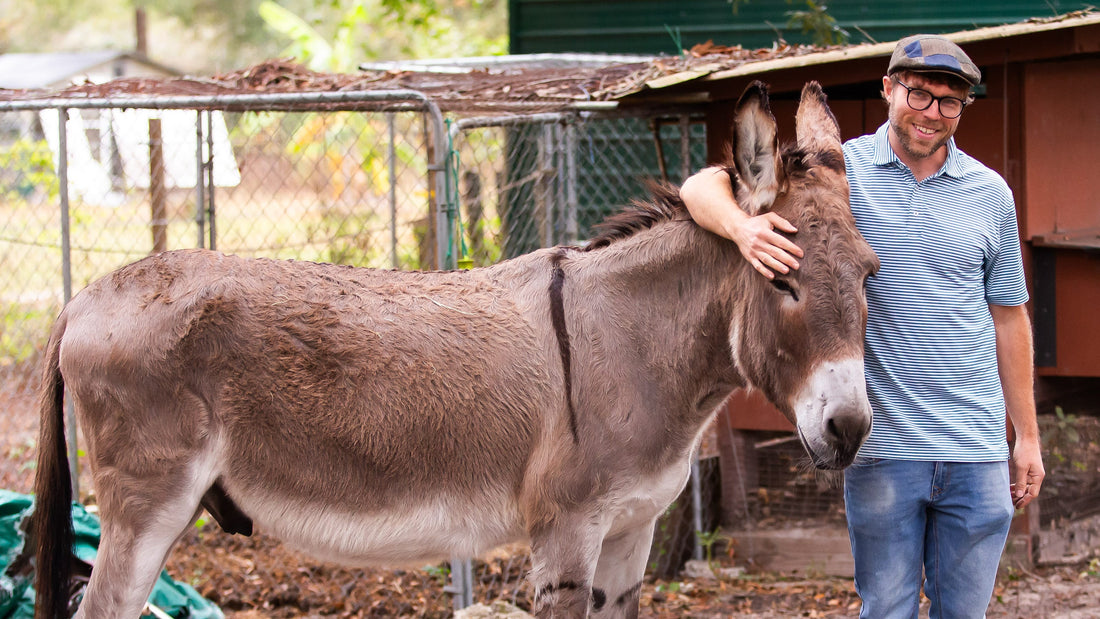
[696, 509]
[391, 157]
[200, 186]
[462, 583]
[158, 210]
[210, 211]
[67, 276]
[685, 148]
[544, 199]
[572, 232]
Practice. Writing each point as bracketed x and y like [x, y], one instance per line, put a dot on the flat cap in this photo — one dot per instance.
[929, 52]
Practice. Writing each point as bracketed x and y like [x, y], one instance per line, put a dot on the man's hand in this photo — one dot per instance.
[709, 198]
[1027, 472]
[766, 250]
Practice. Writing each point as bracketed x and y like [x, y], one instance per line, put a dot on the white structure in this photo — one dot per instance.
[108, 150]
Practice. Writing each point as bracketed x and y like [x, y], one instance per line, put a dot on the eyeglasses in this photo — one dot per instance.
[920, 100]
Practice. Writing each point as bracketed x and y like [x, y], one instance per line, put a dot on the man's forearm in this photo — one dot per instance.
[1015, 365]
[709, 198]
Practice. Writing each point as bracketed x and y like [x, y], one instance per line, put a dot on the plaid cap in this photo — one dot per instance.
[928, 52]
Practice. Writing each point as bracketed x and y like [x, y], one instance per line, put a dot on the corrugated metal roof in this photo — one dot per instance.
[510, 62]
[710, 68]
[501, 85]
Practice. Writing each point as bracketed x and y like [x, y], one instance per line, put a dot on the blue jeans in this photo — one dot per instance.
[951, 518]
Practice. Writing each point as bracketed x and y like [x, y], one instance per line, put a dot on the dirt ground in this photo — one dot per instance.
[257, 578]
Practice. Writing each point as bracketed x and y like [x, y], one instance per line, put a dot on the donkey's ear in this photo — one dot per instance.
[756, 149]
[815, 125]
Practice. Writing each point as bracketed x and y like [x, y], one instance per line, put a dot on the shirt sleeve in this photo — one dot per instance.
[1004, 275]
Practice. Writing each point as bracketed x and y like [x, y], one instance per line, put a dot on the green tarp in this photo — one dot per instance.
[17, 593]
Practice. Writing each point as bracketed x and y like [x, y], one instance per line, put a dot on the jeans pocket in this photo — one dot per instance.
[865, 462]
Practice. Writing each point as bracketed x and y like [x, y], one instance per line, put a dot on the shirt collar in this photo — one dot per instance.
[884, 153]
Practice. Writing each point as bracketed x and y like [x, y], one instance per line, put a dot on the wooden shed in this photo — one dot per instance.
[1035, 121]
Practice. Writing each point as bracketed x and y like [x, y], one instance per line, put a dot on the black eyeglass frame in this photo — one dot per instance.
[931, 99]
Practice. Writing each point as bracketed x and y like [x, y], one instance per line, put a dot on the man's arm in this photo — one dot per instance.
[709, 198]
[1014, 363]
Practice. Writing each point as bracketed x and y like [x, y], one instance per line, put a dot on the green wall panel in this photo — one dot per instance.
[655, 26]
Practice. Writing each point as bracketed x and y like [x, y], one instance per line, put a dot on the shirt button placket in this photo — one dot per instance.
[912, 227]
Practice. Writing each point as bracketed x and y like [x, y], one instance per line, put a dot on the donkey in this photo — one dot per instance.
[371, 416]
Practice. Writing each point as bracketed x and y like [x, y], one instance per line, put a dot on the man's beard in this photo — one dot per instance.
[906, 142]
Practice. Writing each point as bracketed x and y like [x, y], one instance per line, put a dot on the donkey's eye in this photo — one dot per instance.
[785, 287]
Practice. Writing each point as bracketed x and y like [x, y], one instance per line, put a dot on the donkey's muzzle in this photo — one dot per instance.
[833, 413]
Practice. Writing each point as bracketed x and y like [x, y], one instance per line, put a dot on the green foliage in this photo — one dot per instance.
[17, 320]
[1092, 570]
[24, 453]
[26, 167]
[1063, 434]
[346, 34]
[707, 540]
[218, 35]
[439, 572]
[307, 45]
[816, 20]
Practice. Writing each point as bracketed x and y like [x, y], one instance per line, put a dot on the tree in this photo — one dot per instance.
[205, 36]
[344, 34]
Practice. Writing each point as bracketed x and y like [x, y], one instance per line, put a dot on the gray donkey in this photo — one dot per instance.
[373, 416]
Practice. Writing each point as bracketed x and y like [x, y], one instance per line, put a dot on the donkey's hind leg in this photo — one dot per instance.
[139, 528]
[618, 580]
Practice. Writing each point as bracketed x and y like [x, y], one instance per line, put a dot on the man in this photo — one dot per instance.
[948, 344]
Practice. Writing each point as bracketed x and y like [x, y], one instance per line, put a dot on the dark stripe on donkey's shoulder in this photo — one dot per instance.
[557, 319]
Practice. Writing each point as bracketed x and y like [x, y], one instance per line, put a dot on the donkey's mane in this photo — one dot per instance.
[664, 205]
[798, 162]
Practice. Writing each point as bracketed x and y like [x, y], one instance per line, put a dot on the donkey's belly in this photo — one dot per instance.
[428, 529]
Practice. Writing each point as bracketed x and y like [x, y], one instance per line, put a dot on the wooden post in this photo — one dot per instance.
[739, 473]
[141, 38]
[429, 233]
[158, 221]
[471, 197]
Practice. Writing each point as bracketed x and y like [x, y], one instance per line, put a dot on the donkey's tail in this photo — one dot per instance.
[52, 520]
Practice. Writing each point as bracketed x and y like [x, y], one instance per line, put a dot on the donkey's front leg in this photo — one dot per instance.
[563, 559]
[618, 580]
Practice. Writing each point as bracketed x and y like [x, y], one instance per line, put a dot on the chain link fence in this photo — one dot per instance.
[374, 180]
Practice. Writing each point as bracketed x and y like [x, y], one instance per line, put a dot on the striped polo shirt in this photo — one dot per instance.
[949, 247]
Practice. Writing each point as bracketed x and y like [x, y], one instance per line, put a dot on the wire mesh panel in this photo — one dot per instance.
[30, 286]
[340, 187]
[525, 182]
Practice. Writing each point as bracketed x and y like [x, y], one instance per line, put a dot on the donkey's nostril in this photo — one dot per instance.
[846, 427]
